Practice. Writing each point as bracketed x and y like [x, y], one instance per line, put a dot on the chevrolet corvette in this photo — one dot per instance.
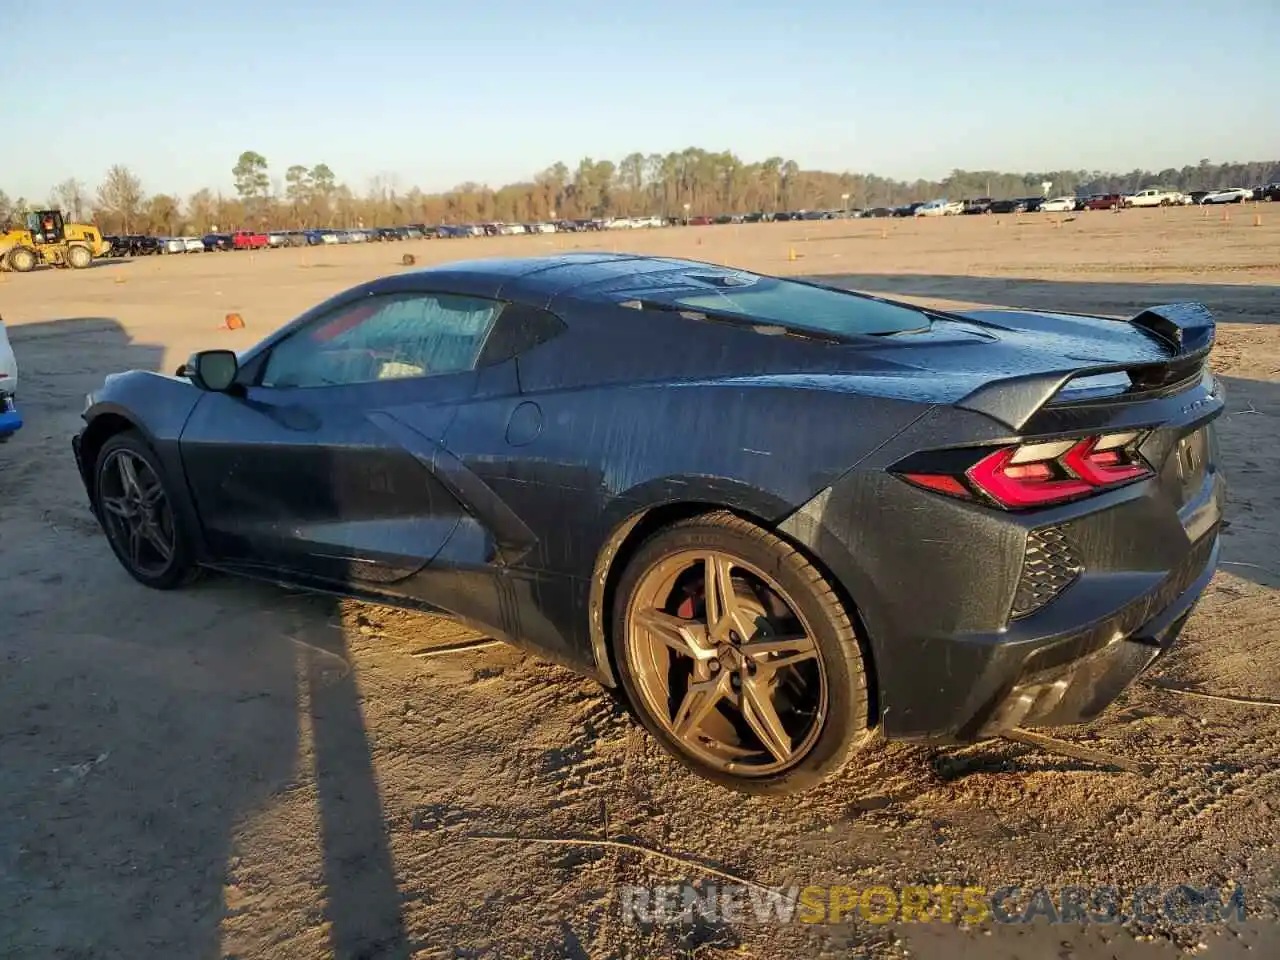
[778, 517]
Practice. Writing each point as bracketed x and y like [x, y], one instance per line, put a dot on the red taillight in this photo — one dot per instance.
[1023, 485]
[1043, 473]
[1102, 467]
[940, 482]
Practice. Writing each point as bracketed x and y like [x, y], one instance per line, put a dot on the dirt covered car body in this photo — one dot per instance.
[777, 514]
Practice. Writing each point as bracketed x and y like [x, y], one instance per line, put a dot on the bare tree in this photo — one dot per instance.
[120, 197]
[201, 210]
[71, 198]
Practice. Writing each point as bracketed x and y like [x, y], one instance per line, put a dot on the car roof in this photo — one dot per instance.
[539, 280]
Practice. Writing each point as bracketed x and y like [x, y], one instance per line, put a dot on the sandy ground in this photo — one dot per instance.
[235, 770]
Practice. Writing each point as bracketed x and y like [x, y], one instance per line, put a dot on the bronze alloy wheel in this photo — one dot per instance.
[136, 513]
[724, 661]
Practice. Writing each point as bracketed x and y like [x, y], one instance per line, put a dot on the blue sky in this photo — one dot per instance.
[436, 93]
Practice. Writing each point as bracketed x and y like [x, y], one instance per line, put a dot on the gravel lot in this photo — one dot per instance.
[236, 770]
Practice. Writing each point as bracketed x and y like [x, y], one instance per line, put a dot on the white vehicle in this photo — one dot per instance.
[329, 236]
[10, 420]
[1154, 197]
[939, 208]
[1230, 195]
[620, 223]
[277, 238]
[1059, 205]
[543, 228]
[192, 245]
[172, 245]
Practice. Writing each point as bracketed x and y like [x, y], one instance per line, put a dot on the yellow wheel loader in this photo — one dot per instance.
[46, 238]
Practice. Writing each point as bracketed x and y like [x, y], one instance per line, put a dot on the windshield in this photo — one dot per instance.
[798, 306]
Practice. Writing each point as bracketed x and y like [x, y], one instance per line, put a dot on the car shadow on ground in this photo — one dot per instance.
[146, 736]
[98, 262]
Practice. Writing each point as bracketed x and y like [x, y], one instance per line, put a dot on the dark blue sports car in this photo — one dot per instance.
[779, 516]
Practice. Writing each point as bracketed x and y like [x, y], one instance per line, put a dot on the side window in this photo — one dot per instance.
[384, 338]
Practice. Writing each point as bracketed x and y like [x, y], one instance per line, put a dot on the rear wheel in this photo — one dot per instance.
[134, 504]
[739, 657]
[78, 256]
[22, 259]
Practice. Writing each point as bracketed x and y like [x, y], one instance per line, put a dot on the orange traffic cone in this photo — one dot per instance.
[234, 321]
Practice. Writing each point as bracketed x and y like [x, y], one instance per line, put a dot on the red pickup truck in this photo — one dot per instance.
[248, 240]
[1104, 201]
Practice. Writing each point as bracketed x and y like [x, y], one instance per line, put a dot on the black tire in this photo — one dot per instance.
[844, 730]
[22, 259]
[180, 567]
[79, 257]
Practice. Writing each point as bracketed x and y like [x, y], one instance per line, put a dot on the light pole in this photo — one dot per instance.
[686, 213]
[844, 199]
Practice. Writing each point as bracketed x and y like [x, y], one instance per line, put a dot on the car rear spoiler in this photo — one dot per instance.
[1188, 329]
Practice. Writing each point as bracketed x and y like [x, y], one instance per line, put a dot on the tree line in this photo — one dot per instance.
[691, 182]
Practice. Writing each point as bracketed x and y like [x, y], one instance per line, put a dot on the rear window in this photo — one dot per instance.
[797, 306]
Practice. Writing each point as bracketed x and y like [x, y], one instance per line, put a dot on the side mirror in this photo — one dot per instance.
[213, 370]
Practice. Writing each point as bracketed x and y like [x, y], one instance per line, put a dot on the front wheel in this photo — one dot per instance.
[79, 257]
[22, 260]
[738, 656]
[136, 510]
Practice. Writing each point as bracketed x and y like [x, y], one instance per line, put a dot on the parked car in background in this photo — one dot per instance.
[980, 205]
[192, 245]
[277, 238]
[939, 208]
[1229, 195]
[1105, 201]
[1154, 197]
[1013, 205]
[132, 245]
[10, 419]
[217, 241]
[172, 244]
[1269, 192]
[1032, 204]
[249, 240]
[1059, 205]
